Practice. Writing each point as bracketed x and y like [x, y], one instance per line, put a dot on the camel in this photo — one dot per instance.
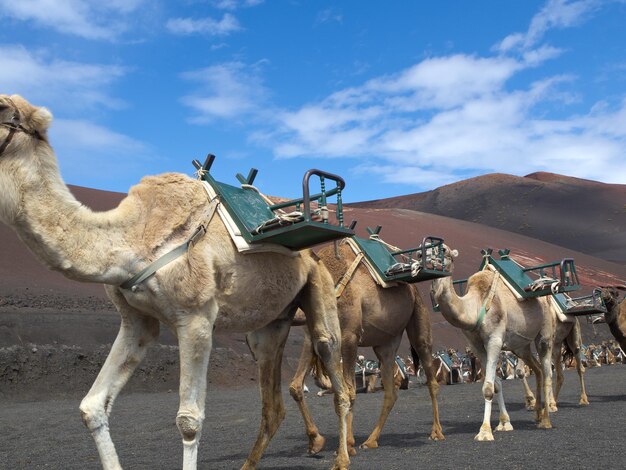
[616, 314]
[492, 319]
[212, 287]
[568, 335]
[371, 316]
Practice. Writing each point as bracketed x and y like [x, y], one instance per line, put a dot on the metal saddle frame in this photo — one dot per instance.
[259, 220]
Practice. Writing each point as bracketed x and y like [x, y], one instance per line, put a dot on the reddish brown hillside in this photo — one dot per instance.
[582, 215]
[22, 275]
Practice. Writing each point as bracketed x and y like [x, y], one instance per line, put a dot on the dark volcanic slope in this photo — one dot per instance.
[583, 215]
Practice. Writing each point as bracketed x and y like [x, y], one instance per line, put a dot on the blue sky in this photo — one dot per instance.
[397, 97]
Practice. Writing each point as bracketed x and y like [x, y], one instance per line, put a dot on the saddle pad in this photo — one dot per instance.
[235, 234]
[372, 270]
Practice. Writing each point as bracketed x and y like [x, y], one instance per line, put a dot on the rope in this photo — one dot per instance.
[542, 282]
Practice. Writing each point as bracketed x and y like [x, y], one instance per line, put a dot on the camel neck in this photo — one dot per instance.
[455, 309]
[65, 235]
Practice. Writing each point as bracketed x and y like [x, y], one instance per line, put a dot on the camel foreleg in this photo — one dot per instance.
[267, 345]
[195, 339]
[136, 334]
[316, 440]
[490, 358]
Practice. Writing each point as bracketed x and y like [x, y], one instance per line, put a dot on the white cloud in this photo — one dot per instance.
[186, 26]
[90, 19]
[67, 85]
[467, 122]
[555, 14]
[235, 4]
[226, 91]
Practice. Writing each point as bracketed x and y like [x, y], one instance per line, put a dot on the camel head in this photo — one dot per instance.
[21, 122]
[610, 296]
[448, 258]
[23, 129]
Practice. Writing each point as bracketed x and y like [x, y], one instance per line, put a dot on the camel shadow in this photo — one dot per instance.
[606, 398]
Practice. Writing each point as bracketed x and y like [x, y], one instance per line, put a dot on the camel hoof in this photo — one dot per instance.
[530, 404]
[507, 426]
[583, 401]
[553, 408]
[437, 435]
[484, 436]
[369, 445]
[543, 425]
[316, 444]
[351, 451]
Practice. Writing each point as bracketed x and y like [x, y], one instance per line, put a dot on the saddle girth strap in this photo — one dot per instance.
[345, 279]
[487, 303]
[170, 256]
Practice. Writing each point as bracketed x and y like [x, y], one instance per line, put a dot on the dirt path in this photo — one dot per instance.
[50, 434]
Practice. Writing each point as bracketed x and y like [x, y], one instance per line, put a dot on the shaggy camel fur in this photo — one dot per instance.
[509, 325]
[211, 287]
[567, 334]
[371, 316]
[616, 315]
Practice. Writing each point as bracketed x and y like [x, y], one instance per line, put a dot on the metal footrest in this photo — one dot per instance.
[585, 305]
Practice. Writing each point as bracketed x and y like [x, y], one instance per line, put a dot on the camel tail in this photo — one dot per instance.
[416, 359]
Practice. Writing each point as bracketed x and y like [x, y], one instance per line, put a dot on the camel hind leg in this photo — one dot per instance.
[320, 307]
[267, 345]
[136, 334]
[316, 440]
[574, 341]
[386, 355]
[419, 332]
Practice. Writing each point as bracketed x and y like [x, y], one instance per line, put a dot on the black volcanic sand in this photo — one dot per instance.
[46, 433]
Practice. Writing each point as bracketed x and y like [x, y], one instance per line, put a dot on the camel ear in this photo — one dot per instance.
[41, 119]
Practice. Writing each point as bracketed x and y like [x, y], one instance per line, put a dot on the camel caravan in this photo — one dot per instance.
[198, 255]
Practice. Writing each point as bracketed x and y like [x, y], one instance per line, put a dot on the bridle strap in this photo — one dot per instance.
[14, 126]
[7, 141]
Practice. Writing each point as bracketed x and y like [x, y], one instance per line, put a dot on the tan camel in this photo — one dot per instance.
[616, 314]
[212, 286]
[507, 324]
[568, 335]
[371, 316]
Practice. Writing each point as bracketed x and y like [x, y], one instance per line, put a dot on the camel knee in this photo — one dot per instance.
[325, 347]
[189, 426]
[296, 391]
[95, 413]
[488, 390]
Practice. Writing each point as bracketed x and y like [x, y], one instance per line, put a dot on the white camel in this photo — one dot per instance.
[492, 320]
[212, 286]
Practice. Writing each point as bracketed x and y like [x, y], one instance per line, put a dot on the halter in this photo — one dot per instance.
[14, 125]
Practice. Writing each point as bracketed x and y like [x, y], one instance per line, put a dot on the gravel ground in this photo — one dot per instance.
[49, 433]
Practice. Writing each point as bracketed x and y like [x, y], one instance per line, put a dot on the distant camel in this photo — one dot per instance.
[212, 287]
[504, 323]
[568, 335]
[616, 314]
[371, 316]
